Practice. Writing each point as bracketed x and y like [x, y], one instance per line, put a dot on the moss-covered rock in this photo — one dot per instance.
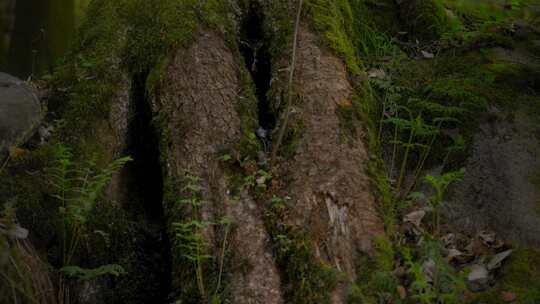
[426, 19]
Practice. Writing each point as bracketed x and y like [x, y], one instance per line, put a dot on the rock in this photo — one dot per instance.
[20, 112]
[497, 192]
[478, 278]
[497, 260]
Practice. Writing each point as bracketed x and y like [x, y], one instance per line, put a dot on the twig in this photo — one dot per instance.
[222, 259]
[287, 113]
[4, 164]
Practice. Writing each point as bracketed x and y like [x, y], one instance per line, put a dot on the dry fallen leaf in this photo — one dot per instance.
[15, 152]
[497, 259]
[415, 217]
[428, 55]
[508, 296]
[402, 292]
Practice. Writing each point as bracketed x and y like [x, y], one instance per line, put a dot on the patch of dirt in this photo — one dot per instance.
[500, 189]
[327, 177]
[198, 101]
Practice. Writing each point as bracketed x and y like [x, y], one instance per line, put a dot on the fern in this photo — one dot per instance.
[77, 186]
[440, 183]
[90, 274]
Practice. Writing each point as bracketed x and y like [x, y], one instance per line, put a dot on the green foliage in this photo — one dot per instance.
[522, 275]
[191, 246]
[440, 184]
[376, 282]
[434, 280]
[189, 240]
[428, 19]
[119, 40]
[77, 187]
[90, 274]
[157, 27]
[334, 20]
[305, 279]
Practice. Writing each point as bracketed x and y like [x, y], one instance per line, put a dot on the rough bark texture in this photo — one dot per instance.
[199, 97]
[7, 20]
[327, 177]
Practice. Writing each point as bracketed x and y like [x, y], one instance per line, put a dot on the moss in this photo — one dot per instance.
[427, 19]
[119, 40]
[246, 106]
[304, 278]
[159, 27]
[334, 21]
[375, 280]
[24, 185]
[520, 275]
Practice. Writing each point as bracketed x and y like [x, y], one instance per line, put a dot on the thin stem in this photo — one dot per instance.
[287, 113]
[222, 259]
[405, 159]
[394, 152]
[199, 273]
[4, 165]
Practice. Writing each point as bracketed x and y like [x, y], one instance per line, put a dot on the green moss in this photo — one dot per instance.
[24, 185]
[375, 278]
[334, 21]
[304, 278]
[246, 106]
[158, 27]
[120, 40]
[427, 19]
[520, 275]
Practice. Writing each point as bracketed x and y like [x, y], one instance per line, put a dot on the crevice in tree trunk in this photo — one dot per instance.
[254, 49]
[144, 199]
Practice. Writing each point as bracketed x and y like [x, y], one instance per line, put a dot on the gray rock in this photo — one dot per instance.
[20, 112]
[498, 191]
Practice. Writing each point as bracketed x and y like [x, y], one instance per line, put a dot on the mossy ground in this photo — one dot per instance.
[520, 276]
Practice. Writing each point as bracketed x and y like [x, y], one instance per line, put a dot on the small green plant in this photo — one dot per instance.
[434, 280]
[440, 184]
[90, 274]
[77, 187]
[190, 241]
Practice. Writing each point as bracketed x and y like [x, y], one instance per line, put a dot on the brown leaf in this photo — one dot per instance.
[402, 292]
[15, 152]
[508, 296]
